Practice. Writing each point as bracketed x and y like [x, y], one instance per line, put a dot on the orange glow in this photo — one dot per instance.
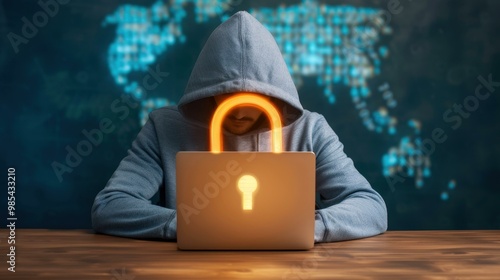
[246, 99]
[247, 184]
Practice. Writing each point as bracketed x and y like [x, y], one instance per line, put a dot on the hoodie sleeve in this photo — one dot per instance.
[353, 209]
[123, 207]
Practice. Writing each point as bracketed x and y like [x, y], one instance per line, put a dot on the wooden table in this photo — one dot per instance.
[81, 254]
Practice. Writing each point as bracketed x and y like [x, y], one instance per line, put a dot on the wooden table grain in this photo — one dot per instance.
[82, 254]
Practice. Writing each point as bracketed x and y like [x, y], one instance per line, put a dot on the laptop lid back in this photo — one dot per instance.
[214, 213]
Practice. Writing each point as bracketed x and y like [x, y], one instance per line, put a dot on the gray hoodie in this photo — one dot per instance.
[240, 56]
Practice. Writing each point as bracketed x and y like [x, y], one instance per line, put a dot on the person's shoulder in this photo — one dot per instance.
[165, 114]
[315, 124]
[170, 118]
[311, 118]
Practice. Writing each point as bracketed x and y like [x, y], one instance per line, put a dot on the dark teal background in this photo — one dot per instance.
[59, 84]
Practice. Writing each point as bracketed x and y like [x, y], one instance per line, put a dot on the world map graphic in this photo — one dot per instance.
[337, 45]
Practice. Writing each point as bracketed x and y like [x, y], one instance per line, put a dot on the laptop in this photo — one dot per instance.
[245, 200]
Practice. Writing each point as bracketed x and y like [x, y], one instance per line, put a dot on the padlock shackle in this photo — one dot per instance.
[246, 99]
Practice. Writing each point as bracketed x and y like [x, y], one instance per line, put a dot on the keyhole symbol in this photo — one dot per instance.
[247, 184]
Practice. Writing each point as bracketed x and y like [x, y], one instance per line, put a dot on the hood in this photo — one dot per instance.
[240, 55]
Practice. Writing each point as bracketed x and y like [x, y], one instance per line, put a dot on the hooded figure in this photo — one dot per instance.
[241, 55]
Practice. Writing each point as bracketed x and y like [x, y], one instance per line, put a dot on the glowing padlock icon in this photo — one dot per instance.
[247, 184]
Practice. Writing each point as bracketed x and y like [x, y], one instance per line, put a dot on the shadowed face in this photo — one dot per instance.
[240, 119]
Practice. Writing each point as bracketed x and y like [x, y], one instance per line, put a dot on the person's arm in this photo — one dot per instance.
[123, 207]
[353, 208]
